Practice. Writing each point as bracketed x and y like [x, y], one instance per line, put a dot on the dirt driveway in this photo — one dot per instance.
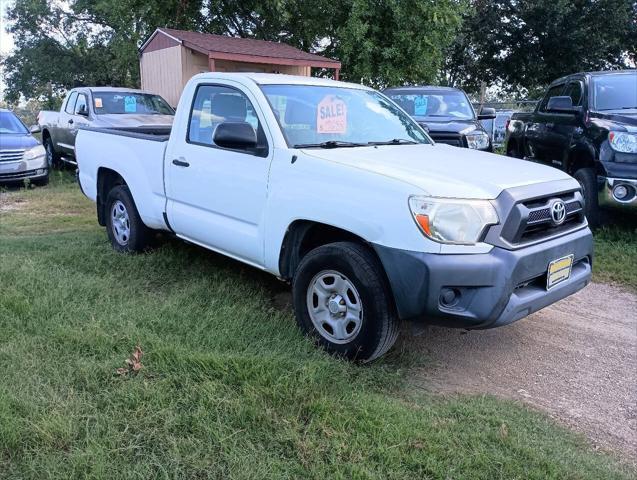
[577, 360]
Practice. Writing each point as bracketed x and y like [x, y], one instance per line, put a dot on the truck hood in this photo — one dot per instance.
[442, 170]
[447, 124]
[618, 118]
[132, 120]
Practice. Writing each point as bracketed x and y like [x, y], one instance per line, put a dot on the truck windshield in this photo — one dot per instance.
[335, 117]
[615, 92]
[126, 103]
[9, 124]
[438, 103]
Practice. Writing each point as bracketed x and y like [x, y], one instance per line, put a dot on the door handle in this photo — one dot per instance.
[550, 125]
[180, 163]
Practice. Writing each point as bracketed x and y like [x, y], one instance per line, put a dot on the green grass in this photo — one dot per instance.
[616, 249]
[229, 388]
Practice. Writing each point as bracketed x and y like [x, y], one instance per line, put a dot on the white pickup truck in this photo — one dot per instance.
[334, 188]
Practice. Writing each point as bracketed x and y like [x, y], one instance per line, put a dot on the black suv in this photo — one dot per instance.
[586, 125]
[446, 113]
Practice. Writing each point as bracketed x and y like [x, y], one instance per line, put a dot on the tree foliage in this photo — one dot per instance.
[59, 44]
[524, 45]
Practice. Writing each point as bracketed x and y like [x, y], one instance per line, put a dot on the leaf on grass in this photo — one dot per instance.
[504, 431]
[134, 362]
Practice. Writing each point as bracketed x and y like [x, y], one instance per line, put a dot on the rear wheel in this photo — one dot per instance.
[342, 301]
[124, 227]
[588, 181]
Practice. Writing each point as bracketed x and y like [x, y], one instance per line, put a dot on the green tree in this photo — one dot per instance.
[524, 45]
[396, 42]
[95, 42]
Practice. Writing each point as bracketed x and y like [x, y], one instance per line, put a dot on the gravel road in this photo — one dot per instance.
[576, 360]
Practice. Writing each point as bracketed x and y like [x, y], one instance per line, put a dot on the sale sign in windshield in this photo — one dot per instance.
[331, 115]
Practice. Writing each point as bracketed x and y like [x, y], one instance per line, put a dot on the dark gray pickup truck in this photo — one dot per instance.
[104, 107]
[586, 125]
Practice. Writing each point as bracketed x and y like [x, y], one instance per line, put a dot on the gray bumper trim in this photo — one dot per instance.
[606, 185]
[493, 289]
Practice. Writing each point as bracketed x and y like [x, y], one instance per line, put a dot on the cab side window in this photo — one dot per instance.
[215, 104]
[553, 92]
[574, 90]
[70, 103]
[80, 104]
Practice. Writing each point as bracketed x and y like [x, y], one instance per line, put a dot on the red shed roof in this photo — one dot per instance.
[243, 49]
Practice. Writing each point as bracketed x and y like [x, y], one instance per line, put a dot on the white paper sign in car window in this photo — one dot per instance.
[331, 115]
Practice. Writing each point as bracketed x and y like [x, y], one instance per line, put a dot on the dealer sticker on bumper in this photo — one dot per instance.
[559, 271]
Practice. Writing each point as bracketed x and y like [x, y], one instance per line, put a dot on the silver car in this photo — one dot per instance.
[100, 107]
[21, 155]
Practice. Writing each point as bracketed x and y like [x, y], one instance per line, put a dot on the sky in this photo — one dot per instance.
[6, 42]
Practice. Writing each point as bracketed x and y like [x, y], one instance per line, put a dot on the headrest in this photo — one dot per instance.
[229, 106]
[298, 113]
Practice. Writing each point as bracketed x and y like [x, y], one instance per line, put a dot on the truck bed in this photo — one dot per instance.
[137, 155]
[153, 133]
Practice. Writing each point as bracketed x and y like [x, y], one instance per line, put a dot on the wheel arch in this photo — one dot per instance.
[302, 236]
[106, 180]
[581, 156]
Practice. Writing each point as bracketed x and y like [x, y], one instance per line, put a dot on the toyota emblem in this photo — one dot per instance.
[558, 212]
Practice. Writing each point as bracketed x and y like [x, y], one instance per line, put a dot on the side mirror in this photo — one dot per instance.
[235, 135]
[35, 129]
[486, 113]
[563, 104]
[82, 111]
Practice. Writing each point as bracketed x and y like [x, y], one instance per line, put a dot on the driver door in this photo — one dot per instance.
[216, 196]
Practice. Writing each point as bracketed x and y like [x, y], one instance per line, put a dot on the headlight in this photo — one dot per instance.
[34, 153]
[478, 140]
[450, 220]
[623, 142]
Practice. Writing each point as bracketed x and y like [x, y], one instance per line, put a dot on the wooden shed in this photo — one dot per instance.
[169, 58]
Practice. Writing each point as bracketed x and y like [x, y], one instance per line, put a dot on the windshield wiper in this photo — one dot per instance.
[395, 141]
[330, 144]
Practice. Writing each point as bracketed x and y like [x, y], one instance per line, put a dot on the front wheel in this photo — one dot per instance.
[52, 157]
[124, 227]
[588, 181]
[341, 299]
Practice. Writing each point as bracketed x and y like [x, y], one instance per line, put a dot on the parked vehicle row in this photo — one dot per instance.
[446, 114]
[585, 125]
[334, 188]
[99, 107]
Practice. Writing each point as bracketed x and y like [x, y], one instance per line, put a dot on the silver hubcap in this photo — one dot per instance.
[120, 222]
[49, 154]
[334, 306]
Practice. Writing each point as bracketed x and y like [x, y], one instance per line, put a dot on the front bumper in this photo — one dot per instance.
[489, 290]
[18, 171]
[608, 193]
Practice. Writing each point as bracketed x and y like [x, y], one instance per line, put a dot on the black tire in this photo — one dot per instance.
[513, 150]
[588, 180]
[52, 157]
[43, 182]
[378, 320]
[139, 236]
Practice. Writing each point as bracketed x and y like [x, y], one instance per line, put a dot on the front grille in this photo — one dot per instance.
[11, 155]
[530, 221]
[449, 138]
